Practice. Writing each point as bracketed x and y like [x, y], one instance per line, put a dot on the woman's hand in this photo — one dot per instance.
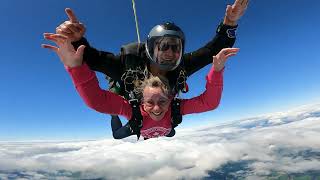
[68, 56]
[220, 59]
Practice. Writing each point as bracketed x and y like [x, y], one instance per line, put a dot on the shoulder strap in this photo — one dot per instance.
[180, 86]
[176, 117]
[136, 121]
[181, 83]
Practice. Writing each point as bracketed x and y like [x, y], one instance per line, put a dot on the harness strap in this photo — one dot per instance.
[136, 121]
[176, 117]
[181, 84]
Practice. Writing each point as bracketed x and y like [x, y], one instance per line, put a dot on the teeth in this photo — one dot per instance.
[157, 114]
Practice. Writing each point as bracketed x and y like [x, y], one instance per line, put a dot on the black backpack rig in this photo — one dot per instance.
[134, 58]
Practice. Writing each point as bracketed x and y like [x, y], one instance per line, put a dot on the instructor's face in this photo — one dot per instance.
[168, 51]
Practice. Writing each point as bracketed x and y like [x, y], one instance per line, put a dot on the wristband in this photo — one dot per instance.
[227, 30]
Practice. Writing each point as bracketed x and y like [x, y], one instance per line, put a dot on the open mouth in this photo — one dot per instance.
[167, 62]
[157, 114]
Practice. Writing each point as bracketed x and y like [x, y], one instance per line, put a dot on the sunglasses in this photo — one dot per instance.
[151, 103]
[165, 47]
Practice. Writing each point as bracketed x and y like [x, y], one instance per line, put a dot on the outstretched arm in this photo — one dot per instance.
[85, 79]
[225, 37]
[96, 98]
[210, 98]
[101, 61]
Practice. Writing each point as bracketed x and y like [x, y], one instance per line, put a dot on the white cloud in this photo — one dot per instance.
[280, 141]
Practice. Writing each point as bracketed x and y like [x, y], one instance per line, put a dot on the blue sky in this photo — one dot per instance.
[276, 68]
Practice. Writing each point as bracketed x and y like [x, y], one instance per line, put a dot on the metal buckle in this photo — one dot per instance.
[131, 101]
[130, 76]
[181, 81]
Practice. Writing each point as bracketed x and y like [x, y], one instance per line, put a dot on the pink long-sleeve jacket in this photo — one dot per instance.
[104, 101]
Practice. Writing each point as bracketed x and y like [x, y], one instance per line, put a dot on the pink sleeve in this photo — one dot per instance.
[209, 99]
[87, 85]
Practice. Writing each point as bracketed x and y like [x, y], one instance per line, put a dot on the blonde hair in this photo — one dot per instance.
[155, 82]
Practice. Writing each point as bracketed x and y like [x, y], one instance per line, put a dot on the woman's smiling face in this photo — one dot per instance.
[155, 102]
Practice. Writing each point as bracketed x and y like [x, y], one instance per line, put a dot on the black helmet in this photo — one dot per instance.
[161, 38]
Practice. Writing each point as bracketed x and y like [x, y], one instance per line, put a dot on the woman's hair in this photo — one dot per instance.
[155, 82]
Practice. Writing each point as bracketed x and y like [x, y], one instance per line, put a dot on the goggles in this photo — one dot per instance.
[165, 46]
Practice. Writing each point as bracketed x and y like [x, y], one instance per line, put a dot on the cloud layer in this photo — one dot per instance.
[283, 142]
